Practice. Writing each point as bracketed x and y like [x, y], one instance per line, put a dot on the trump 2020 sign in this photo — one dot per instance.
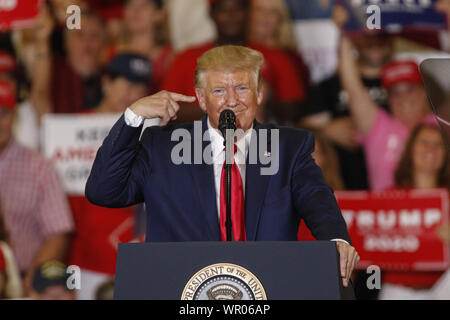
[398, 229]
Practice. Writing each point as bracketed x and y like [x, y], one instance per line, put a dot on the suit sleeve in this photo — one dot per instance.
[117, 175]
[314, 199]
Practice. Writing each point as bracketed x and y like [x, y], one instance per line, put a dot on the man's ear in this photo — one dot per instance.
[200, 93]
[260, 96]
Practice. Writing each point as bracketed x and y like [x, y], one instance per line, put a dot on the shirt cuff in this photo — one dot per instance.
[341, 240]
[132, 119]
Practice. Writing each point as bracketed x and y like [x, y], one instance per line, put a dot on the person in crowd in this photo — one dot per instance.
[424, 164]
[327, 106]
[425, 161]
[10, 284]
[383, 135]
[111, 12]
[70, 83]
[25, 128]
[146, 34]
[271, 25]
[99, 230]
[125, 80]
[326, 158]
[50, 282]
[35, 208]
[285, 89]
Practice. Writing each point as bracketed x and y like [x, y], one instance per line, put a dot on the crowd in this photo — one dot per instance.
[373, 125]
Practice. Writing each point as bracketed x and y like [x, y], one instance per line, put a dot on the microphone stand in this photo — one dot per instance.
[228, 222]
[227, 121]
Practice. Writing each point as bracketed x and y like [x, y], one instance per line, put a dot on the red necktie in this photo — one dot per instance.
[237, 204]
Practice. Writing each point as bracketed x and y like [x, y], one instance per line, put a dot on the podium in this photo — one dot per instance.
[229, 271]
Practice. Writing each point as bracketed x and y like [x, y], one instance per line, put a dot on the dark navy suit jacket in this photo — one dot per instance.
[181, 199]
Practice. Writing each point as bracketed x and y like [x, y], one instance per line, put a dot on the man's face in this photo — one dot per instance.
[85, 46]
[6, 121]
[230, 17]
[234, 90]
[121, 93]
[141, 15]
[408, 103]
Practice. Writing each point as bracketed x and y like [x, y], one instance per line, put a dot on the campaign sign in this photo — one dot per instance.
[71, 142]
[17, 14]
[397, 230]
[395, 15]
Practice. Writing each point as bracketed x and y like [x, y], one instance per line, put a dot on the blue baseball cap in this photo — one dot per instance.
[133, 67]
[50, 273]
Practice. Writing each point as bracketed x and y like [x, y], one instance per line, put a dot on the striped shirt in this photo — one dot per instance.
[33, 202]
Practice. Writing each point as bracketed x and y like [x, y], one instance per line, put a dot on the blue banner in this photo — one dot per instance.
[395, 15]
[310, 9]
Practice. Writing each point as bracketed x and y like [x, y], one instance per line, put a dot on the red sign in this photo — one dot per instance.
[396, 230]
[17, 14]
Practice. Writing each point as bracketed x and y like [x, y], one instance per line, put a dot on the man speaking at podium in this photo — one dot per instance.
[186, 200]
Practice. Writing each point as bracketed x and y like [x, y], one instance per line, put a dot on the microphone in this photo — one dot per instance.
[227, 120]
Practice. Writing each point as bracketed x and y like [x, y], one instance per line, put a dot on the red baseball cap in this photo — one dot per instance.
[7, 62]
[400, 71]
[7, 95]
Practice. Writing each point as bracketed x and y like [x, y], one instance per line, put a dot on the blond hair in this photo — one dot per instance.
[285, 35]
[229, 58]
[286, 38]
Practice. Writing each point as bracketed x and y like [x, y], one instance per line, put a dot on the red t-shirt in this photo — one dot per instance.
[278, 70]
[98, 232]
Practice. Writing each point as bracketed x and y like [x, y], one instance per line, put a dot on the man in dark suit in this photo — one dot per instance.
[184, 194]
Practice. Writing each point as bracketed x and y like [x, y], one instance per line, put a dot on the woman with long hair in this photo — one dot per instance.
[271, 25]
[326, 158]
[425, 164]
[145, 33]
[425, 161]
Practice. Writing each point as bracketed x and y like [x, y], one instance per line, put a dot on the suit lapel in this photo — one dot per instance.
[255, 187]
[203, 177]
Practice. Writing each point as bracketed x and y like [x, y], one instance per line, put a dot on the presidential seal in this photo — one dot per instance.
[223, 281]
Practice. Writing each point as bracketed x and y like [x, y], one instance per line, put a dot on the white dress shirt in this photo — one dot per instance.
[218, 152]
[218, 156]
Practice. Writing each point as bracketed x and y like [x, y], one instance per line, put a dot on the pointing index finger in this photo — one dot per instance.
[181, 97]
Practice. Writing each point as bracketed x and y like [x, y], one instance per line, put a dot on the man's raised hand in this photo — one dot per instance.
[163, 104]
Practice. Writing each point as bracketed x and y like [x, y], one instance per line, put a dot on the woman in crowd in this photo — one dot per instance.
[425, 164]
[271, 25]
[145, 33]
[326, 158]
[425, 161]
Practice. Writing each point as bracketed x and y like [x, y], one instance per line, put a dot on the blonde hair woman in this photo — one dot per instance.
[270, 24]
